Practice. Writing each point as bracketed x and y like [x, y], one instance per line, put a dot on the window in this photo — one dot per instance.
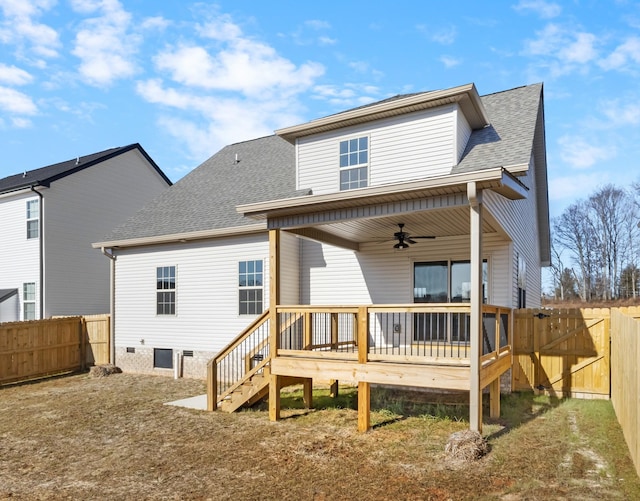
[250, 287]
[162, 358]
[166, 290]
[354, 162]
[33, 216]
[29, 301]
[522, 282]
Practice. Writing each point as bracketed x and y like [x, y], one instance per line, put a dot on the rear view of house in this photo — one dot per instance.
[374, 245]
[48, 219]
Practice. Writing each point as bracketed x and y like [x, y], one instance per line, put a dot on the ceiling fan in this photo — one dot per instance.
[404, 238]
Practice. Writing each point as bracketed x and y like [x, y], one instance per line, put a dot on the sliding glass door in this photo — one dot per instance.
[444, 282]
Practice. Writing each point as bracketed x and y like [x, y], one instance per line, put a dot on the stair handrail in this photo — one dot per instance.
[212, 365]
[239, 383]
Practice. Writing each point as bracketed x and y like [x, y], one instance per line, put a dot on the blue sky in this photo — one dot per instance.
[185, 78]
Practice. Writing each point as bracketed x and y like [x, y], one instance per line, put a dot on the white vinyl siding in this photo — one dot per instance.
[378, 275]
[81, 209]
[463, 133]
[290, 269]
[19, 256]
[519, 220]
[412, 146]
[207, 293]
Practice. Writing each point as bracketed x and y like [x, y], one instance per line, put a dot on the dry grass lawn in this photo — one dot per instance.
[78, 437]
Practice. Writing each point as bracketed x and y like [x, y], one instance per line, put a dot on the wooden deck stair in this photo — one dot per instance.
[251, 390]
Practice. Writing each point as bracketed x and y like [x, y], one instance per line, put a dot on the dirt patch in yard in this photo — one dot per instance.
[81, 437]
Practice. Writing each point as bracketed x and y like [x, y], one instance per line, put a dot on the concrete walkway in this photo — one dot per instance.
[198, 402]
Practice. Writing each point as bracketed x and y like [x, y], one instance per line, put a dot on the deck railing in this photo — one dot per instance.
[394, 332]
[416, 334]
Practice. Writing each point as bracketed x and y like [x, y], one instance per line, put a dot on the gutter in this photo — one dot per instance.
[41, 249]
[112, 303]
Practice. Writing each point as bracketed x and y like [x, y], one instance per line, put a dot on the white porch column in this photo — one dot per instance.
[475, 329]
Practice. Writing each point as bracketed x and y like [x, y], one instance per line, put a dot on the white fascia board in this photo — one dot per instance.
[182, 237]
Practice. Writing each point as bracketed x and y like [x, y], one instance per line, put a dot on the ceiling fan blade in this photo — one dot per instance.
[430, 237]
[410, 240]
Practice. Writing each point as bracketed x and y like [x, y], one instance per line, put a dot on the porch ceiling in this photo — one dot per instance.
[441, 223]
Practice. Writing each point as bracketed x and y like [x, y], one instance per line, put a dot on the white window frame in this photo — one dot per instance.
[164, 290]
[250, 287]
[350, 161]
[33, 219]
[29, 300]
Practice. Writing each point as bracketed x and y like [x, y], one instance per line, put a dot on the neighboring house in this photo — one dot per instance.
[311, 215]
[48, 219]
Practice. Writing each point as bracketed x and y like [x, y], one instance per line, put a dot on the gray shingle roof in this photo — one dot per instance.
[207, 197]
[7, 293]
[44, 176]
[509, 138]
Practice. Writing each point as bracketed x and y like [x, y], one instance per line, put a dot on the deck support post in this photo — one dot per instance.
[475, 329]
[364, 406]
[494, 398]
[274, 329]
[364, 388]
[307, 393]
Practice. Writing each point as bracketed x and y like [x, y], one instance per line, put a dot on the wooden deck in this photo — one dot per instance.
[423, 346]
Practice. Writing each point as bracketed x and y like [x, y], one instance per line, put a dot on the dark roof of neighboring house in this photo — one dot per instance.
[44, 176]
[206, 199]
[7, 293]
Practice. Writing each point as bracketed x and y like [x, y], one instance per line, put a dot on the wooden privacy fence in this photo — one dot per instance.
[625, 378]
[45, 347]
[564, 352]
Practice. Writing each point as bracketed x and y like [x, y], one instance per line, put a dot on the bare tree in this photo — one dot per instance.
[572, 230]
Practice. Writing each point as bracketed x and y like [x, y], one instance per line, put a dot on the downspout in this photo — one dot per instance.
[41, 245]
[112, 303]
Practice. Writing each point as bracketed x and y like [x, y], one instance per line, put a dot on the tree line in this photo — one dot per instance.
[595, 245]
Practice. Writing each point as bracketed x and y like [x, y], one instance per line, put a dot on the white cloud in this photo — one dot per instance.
[317, 24]
[246, 66]
[444, 35]
[20, 28]
[621, 114]
[15, 102]
[622, 55]
[158, 23]
[322, 40]
[105, 45]
[544, 9]
[449, 61]
[581, 50]
[570, 188]
[20, 122]
[581, 154]
[561, 51]
[207, 122]
[225, 87]
[12, 75]
[349, 95]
